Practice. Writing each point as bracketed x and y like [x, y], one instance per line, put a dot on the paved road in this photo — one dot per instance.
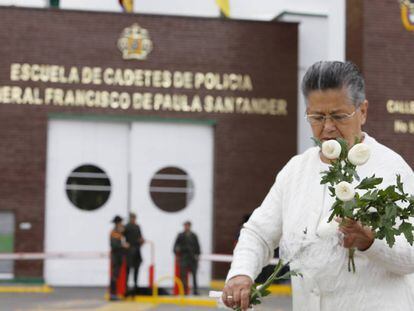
[92, 299]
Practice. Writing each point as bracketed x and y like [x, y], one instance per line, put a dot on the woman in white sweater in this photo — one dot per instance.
[298, 204]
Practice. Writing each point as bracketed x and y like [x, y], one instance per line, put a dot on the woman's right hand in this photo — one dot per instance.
[236, 292]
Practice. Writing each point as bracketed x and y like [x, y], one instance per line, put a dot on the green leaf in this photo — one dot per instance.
[407, 229]
[390, 236]
[356, 176]
[392, 195]
[333, 175]
[391, 212]
[266, 292]
[348, 209]
[380, 234]
[369, 182]
[337, 210]
[369, 196]
[400, 184]
[255, 302]
[350, 171]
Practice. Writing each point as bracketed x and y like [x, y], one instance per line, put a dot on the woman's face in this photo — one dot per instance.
[336, 102]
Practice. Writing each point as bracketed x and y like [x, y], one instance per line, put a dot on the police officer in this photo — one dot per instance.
[118, 247]
[187, 249]
[134, 238]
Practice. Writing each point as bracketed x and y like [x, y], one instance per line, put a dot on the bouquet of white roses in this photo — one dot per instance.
[386, 211]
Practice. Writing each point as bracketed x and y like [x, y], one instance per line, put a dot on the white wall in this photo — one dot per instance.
[26, 3]
[171, 7]
[268, 9]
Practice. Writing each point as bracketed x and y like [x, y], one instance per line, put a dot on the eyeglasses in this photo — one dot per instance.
[319, 119]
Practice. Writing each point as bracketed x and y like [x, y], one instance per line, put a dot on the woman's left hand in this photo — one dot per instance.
[356, 235]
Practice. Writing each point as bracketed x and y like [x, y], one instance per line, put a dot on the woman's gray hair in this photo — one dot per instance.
[326, 75]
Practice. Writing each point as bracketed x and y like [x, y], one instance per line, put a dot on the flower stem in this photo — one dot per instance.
[351, 260]
[258, 292]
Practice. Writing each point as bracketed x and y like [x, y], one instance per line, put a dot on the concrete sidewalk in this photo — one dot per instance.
[92, 299]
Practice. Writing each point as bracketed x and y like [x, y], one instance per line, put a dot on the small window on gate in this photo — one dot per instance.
[88, 187]
[171, 189]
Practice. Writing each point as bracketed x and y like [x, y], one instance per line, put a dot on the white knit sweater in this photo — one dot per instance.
[295, 203]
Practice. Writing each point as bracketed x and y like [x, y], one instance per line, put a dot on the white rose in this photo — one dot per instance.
[344, 191]
[359, 154]
[327, 229]
[331, 149]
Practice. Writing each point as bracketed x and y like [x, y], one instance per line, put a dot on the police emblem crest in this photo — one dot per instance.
[407, 14]
[135, 43]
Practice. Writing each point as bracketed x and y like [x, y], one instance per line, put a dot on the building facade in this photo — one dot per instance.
[173, 118]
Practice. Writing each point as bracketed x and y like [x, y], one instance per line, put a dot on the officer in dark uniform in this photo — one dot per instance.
[187, 249]
[118, 247]
[134, 238]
